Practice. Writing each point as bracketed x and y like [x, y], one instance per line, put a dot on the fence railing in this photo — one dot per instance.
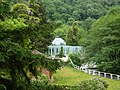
[95, 72]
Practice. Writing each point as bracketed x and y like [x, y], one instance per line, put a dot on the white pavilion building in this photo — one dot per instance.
[57, 43]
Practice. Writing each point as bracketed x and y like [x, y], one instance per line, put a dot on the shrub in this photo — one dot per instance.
[36, 84]
[93, 84]
[60, 87]
[41, 82]
[76, 59]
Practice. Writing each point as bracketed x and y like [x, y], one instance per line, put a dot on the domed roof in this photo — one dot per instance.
[58, 41]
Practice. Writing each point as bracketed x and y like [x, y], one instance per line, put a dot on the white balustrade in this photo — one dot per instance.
[93, 72]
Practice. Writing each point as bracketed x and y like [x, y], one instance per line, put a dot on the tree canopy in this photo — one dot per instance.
[21, 30]
[103, 40]
[27, 25]
[78, 10]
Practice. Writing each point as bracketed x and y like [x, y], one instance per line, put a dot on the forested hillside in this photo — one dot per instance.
[79, 10]
[31, 25]
[94, 24]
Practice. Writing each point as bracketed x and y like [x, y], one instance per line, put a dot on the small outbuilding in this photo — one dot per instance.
[58, 43]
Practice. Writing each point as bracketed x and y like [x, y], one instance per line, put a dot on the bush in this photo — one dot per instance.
[36, 84]
[93, 84]
[59, 87]
[76, 59]
[42, 84]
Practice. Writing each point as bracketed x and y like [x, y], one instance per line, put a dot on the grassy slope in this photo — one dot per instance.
[71, 76]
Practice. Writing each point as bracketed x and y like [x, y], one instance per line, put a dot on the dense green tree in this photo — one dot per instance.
[17, 37]
[35, 16]
[76, 58]
[74, 34]
[13, 51]
[44, 27]
[86, 24]
[61, 31]
[5, 7]
[77, 9]
[103, 40]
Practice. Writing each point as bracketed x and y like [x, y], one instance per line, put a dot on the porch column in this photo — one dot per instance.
[51, 51]
[65, 50]
[58, 50]
[54, 51]
[78, 49]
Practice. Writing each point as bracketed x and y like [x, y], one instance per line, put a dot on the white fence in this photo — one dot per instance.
[94, 72]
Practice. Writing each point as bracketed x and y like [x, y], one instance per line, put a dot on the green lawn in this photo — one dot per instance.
[70, 76]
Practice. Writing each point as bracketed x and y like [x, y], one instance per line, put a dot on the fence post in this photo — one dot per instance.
[105, 75]
[111, 76]
[118, 77]
[94, 72]
[82, 69]
[89, 71]
[79, 68]
[85, 70]
[98, 73]
[74, 66]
